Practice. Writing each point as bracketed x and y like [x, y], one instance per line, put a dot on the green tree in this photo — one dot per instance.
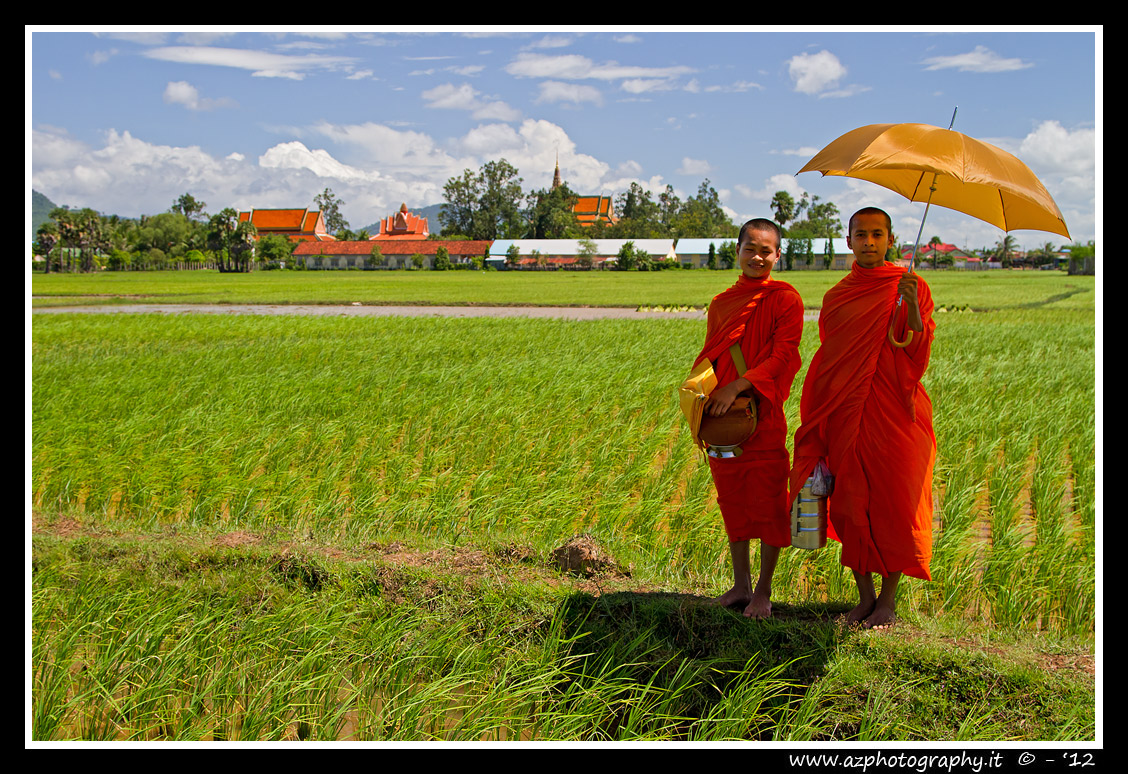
[640, 217]
[274, 249]
[188, 206]
[512, 255]
[171, 232]
[484, 205]
[375, 258]
[703, 216]
[588, 251]
[784, 208]
[500, 198]
[46, 237]
[460, 196]
[1004, 249]
[442, 259]
[822, 221]
[330, 206]
[668, 207]
[789, 254]
[551, 214]
[626, 258]
[118, 260]
[81, 237]
[727, 255]
[232, 240]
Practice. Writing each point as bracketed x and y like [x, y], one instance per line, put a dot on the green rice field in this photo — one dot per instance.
[321, 528]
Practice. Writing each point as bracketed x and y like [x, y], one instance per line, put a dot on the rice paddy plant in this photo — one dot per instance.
[955, 290]
[535, 430]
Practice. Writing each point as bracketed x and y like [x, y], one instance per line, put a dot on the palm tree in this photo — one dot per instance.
[1003, 249]
[784, 208]
[92, 237]
[46, 237]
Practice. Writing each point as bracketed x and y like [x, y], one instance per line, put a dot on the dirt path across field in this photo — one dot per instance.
[365, 310]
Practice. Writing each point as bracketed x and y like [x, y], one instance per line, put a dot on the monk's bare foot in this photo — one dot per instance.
[759, 607]
[882, 617]
[859, 614]
[737, 596]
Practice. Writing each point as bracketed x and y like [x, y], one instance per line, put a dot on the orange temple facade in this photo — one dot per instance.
[403, 225]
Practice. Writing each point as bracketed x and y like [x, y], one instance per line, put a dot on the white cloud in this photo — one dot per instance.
[261, 63]
[806, 151]
[576, 67]
[1059, 150]
[736, 86]
[814, 73]
[130, 177]
[466, 97]
[101, 57]
[451, 97]
[399, 153]
[979, 60]
[788, 183]
[532, 148]
[557, 91]
[646, 85]
[184, 93]
[551, 41]
[694, 167]
[295, 155]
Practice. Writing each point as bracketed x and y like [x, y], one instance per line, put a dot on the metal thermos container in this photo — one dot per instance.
[808, 512]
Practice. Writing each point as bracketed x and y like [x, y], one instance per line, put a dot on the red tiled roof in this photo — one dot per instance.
[394, 247]
[298, 225]
[313, 222]
[588, 209]
[292, 220]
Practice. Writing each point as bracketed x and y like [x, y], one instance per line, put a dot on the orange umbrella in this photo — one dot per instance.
[928, 164]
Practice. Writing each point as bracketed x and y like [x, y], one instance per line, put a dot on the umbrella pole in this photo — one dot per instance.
[916, 246]
[912, 261]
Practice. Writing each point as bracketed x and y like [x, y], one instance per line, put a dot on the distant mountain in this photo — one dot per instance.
[41, 207]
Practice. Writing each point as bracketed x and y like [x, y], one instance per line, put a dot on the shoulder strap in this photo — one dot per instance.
[738, 359]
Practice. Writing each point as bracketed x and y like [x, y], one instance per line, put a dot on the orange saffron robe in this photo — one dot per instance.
[864, 411]
[766, 317]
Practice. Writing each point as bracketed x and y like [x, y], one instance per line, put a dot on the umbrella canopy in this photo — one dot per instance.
[971, 176]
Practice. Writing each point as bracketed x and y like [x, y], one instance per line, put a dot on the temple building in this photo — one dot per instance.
[403, 225]
[297, 225]
[589, 209]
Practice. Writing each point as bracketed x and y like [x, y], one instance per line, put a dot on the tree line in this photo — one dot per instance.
[183, 237]
[490, 204]
[487, 204]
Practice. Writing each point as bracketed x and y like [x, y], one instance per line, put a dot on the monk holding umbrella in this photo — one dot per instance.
[864, 410]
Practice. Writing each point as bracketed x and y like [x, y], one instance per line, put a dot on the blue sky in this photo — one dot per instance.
[125, 120]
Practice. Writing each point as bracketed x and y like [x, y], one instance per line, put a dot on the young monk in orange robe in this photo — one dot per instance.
[864, 411]
[765, 316]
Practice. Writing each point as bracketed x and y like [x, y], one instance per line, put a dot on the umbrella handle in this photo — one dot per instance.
[893, 339]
